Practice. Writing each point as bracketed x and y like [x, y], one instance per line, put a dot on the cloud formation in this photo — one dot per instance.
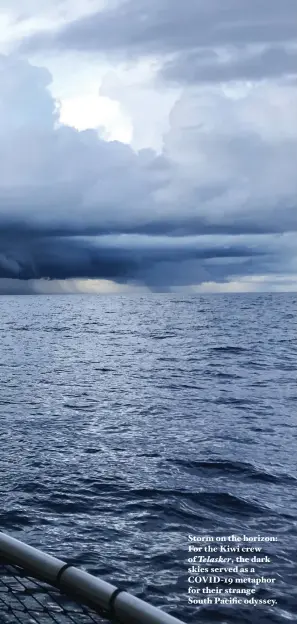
[203, 41]
[217, 204]
[198, 66]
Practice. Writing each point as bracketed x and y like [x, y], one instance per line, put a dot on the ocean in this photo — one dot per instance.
[128, 423]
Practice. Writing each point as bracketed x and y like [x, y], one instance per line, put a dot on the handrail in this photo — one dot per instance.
[88, 589]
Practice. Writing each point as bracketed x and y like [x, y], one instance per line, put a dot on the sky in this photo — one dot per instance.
[148, 145]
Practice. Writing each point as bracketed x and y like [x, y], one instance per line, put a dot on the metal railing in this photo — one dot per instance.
[59, 592]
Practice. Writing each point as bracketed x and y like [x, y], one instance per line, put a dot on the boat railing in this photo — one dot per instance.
[37, 588]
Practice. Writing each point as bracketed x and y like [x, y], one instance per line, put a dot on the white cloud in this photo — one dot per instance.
[242, 145]
[97, 112]
[120, 98]
[147, 107]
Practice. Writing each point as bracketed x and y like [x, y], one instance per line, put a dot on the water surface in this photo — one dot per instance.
[127, 423]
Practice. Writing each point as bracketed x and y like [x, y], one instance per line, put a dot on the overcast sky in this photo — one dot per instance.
[148, 144]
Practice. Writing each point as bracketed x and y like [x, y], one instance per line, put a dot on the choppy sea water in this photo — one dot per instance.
[127, 423]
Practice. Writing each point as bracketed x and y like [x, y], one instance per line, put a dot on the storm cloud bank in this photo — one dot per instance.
[193, 41]
[217, 204]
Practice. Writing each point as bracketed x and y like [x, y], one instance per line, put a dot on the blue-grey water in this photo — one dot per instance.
[128, 423]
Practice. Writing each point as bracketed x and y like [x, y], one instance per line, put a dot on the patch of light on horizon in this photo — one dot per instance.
[248, 284]
[84, 286]
[245, 284]
[252, 283]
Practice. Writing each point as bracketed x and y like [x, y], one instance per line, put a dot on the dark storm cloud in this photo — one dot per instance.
[219, 201]
[276, 220]
[196, 66]
[159, 263]
[156, 26]
[58, 257]
[190, 32]
[61, 258]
